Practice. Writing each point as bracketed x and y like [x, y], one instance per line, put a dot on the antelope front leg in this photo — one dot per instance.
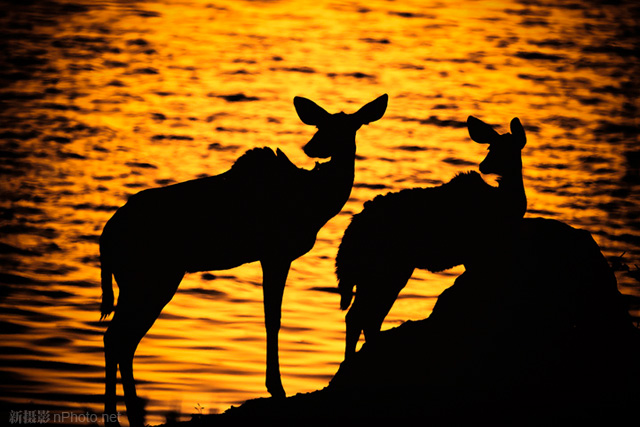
[274, 277]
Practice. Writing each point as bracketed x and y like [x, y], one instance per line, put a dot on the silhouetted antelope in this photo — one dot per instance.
[263, 209]
[428, 228]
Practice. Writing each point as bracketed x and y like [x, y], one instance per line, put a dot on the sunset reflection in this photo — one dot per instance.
[104, 99]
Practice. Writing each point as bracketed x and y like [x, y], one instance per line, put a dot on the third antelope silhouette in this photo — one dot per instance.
[428, 228]
[263, 209]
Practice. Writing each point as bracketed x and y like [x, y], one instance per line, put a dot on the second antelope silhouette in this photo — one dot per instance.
[263, 209]
[428, 228]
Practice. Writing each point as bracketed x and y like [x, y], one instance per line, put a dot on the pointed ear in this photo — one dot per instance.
[309, 112]
[517, 130]
[481, 132]
[372, 111]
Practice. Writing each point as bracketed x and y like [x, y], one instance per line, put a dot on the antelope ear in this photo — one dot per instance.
[481, 132]
[372, 111]
[309, 112]
[517, 130]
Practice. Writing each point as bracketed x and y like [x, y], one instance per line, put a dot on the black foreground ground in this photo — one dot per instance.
[534, 334]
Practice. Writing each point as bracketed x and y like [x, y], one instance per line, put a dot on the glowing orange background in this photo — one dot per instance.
[104, 99]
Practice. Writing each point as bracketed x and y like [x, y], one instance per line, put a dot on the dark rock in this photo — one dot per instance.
[536, 334]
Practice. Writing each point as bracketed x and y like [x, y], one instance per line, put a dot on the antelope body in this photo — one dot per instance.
[263, 209]
[427, 228]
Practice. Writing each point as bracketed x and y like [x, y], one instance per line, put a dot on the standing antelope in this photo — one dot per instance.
[428, 228]
[263, 209]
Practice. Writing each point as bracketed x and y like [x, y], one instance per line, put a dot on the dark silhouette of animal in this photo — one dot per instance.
[263, 209]
[428, 228]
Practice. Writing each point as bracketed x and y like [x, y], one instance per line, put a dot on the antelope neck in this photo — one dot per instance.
[342, 160]
[513, 185]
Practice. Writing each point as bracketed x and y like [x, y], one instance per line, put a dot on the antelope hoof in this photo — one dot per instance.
[276, 391]
[136, 411]
[111, 420]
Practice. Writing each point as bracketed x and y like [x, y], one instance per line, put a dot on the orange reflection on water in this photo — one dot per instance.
[120, 97]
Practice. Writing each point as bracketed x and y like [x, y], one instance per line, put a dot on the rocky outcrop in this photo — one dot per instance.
[536, 333]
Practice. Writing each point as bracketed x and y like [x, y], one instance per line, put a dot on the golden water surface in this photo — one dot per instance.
[102, 99]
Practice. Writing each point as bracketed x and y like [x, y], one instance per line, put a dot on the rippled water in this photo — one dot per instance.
[101, 99]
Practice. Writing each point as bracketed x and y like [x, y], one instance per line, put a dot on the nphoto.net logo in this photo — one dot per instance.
[44, 416]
